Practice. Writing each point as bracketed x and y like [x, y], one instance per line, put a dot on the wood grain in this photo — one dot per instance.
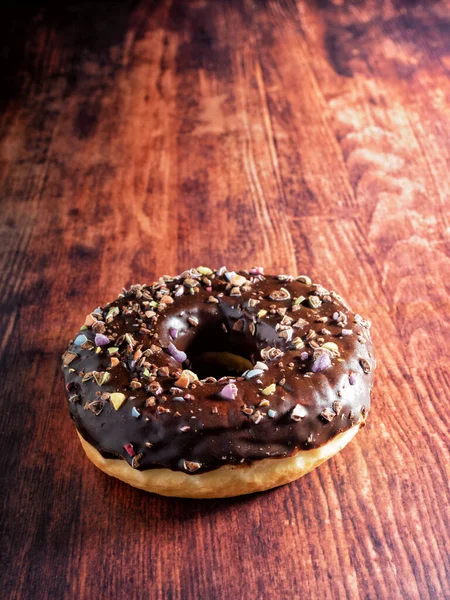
[141, 138]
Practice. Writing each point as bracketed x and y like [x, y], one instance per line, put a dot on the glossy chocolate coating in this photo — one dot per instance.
[195, 429]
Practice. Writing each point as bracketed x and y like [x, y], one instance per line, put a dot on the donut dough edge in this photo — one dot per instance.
[226, 481]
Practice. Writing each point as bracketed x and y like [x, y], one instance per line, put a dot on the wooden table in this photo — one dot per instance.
[141, 138]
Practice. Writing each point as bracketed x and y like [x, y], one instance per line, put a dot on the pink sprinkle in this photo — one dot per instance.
[129, 448]
[175, 353]
[229, 392]
[209, 288]
[101, 340]
[304, 356]
[322, 362]
[173, 332]
[257, 271]
[352, 379]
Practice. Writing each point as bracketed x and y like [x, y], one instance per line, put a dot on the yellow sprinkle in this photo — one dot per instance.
[269, 389]
[204, 270]
[262, 313]
[117, 399]
[331, 346]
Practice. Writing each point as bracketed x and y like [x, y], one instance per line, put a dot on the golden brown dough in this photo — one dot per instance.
[226, 481]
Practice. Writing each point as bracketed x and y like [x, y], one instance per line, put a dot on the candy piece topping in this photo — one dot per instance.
[117, 399]
[129, 448]
[80, 340]
[178, 355]
[270, 389]
[298, 412]
[191, 466]
[229, 392]
[322, 362]
[101, 340]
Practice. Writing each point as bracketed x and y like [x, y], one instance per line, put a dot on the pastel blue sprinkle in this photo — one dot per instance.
[80, 340]
[253, 373]
[271, 413]
[135, 412]
[179, 399]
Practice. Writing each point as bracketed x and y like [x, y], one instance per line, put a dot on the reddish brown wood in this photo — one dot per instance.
[141, 138]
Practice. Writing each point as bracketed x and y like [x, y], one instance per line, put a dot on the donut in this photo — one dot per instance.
[217, 383]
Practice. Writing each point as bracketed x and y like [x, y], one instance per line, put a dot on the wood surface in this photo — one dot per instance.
[142, 138]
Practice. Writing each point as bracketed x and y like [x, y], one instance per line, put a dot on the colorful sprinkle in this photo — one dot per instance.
[238, 280]
[352, 379]
[229, 392]
[183, 381]
[101, 340]
[80, 340]
[117, 399]
[178, 355]
[101, 377]
[322, 362]
[253, 373]
[270, 389]
[191, 465]
[331, 346]
[113, 312]
[135, 412]
[298, 412]
[204, 271]
[304, 356]
[257, 271]
[297, 343]
[129, 448]
[90, 320]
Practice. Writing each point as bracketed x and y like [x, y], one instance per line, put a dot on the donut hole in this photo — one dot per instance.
[215, 352]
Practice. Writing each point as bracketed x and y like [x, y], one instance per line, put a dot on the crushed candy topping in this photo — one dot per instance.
[280, 329]
[229, 392]
[322, 362]
[117, 399]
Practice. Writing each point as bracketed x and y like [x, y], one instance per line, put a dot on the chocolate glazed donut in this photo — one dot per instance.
[208, 375]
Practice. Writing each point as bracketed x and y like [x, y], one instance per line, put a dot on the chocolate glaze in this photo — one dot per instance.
[194, 429]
